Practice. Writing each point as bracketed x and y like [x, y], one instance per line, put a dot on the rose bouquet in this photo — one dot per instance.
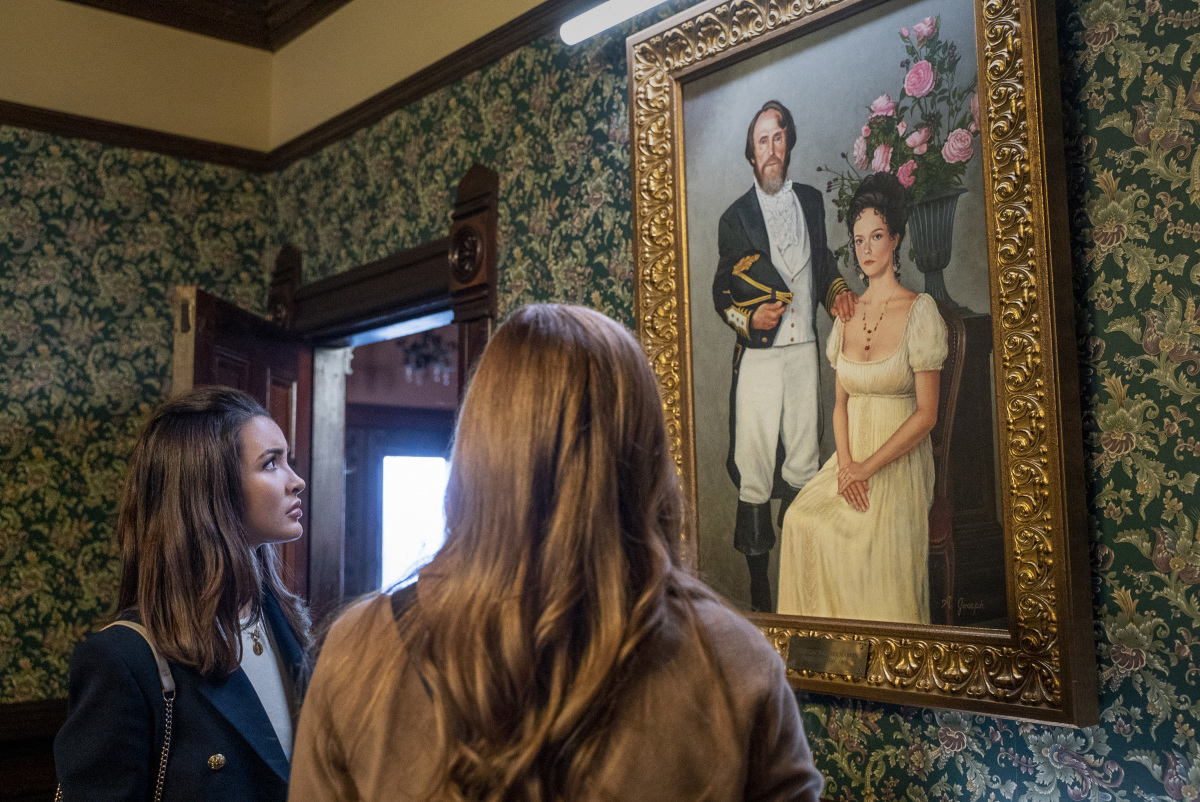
[926, 136]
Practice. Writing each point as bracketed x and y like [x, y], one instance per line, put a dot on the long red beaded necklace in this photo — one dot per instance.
[869, 332]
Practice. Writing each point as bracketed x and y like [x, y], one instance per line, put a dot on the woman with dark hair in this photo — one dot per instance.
[209, 492]
[556, 647]
[855, 541]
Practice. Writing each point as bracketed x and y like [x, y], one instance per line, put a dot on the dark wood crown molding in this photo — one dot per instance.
[287, 19]
[533, 24]
[263, 24]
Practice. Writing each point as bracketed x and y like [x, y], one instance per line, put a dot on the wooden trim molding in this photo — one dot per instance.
[530, 26]
[27, 731]
[266, 24]
[406, 285]
[119, 135]
[287, 19]
[21, 721]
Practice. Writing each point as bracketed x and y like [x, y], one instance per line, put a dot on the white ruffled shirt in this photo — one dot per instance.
[791, 253]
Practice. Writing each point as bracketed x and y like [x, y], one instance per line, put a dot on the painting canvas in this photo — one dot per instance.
[910, 109]
[899, 110]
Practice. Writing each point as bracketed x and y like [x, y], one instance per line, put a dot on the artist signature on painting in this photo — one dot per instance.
[961, 605]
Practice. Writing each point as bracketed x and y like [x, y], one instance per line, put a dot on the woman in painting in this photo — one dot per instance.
[556, 647]
[856, 539]
[209, 491]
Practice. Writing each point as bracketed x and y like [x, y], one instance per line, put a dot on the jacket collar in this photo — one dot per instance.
[235, 699]
[234, 696]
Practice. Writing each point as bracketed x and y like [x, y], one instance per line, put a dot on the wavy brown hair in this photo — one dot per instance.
[187, 567]
[563, 511]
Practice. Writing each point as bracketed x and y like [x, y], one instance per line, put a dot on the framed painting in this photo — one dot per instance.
[815, 176]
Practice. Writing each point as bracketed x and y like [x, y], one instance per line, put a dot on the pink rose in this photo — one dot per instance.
[920, 79]
[901, 127]
[905, 173]
[860, 153]
[882, 163]
[866, 130]
[925, 29]
[883, 106]
[958, 146]
[974, 126]
[918, 140]
[904, 33]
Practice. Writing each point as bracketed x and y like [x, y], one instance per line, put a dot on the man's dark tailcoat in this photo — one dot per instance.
[741, 231]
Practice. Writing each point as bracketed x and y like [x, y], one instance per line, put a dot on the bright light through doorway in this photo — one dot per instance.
[414, 524]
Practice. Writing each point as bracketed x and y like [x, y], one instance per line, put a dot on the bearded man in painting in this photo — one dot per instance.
[774, 268]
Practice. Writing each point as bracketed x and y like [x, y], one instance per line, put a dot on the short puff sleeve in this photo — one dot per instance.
[833, 348]
[926, 335]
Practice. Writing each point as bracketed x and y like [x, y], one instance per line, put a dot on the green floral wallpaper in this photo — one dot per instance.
[550, 120]
[91, 238]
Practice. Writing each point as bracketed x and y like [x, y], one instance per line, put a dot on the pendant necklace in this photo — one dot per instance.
[869, 332]
[254, 636]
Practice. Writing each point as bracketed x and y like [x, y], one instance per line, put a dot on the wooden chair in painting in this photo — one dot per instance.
[941, 512]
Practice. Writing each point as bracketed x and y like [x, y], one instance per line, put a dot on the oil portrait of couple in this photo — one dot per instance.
[839, 283]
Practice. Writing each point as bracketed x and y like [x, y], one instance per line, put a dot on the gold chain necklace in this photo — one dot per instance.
[870, 332]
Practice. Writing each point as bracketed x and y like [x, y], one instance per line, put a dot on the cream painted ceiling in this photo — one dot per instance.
[80, 60]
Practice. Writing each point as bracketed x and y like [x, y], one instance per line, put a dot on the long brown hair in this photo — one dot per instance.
[187, 567]
[563, 510]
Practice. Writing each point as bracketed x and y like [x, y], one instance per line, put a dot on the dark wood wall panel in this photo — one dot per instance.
[27, 732]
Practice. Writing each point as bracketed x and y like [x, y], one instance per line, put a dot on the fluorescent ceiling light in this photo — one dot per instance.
[602, 17]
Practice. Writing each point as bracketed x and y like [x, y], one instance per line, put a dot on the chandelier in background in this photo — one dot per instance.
[428, 355]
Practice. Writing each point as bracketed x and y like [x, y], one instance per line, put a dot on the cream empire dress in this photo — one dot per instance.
[838, 562]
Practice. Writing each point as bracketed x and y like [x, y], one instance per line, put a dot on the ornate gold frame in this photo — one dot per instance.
[1043, 666]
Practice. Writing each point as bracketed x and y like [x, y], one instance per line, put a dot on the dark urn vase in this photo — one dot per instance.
[931, 228]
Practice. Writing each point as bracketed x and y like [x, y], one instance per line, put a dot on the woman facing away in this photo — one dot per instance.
[209, 491]
[856, 539]
[555, 648]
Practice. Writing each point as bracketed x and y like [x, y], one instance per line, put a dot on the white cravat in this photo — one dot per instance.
[791, 253]
[781, 212]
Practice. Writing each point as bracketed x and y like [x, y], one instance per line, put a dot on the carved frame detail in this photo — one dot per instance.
[1043, 666]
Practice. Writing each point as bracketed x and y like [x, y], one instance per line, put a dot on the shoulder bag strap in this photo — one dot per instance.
[168, 693]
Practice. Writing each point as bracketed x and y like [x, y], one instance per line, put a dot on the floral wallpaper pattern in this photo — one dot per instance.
[551, 120]
[92, 237]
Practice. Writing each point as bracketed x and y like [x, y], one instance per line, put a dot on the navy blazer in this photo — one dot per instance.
[110, 746]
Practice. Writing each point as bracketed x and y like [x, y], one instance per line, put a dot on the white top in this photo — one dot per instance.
[266, 676]
[791, 253]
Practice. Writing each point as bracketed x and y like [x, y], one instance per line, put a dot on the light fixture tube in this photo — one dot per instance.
[602, 17]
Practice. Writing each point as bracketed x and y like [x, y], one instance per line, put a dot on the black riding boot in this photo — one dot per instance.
[754, 536]
[760, 583]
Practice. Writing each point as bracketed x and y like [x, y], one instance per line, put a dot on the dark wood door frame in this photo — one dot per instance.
[455, 274]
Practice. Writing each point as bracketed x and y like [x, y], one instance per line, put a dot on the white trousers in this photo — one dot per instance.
[777, 398]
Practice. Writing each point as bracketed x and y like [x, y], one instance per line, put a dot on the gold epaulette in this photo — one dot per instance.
[836, 288]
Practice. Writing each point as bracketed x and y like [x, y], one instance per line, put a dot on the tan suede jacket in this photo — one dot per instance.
[362, 739]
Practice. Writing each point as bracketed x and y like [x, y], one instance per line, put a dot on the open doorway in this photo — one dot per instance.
[401, 397]
[296, 363]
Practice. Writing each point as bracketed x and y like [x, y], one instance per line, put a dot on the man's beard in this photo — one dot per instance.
[772, 177]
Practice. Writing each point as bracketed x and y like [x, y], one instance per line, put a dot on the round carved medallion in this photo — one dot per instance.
[466, 252]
